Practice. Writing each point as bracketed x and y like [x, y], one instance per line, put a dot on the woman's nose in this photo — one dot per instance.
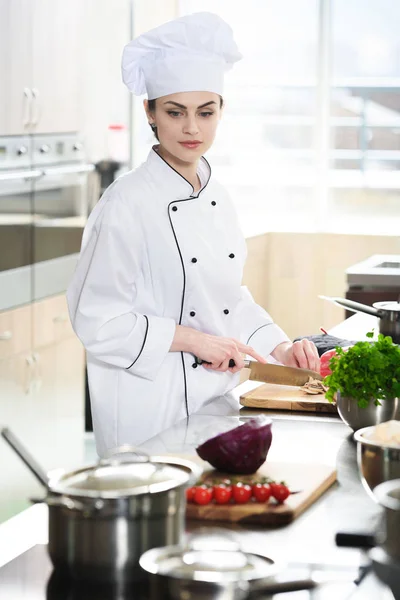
[191, 126]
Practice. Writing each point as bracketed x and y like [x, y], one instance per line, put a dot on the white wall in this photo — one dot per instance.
[104, 98]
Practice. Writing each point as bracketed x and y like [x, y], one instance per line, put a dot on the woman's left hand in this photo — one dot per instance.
[302, 353]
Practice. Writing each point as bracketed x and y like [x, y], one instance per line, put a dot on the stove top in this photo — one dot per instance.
[31, 577]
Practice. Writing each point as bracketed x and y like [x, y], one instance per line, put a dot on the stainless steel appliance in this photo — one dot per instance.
[377, 271]
[43, 209]
[376, 279]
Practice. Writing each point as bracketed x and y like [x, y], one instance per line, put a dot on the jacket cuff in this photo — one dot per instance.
[158, 336]
[266, 338]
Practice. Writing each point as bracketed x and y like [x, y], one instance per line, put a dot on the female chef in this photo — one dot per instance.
[158, 282]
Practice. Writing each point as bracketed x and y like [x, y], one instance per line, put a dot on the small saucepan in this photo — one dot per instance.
[388, 314]
[206, 569]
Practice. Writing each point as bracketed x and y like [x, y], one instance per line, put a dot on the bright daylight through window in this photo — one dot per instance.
[310, 138]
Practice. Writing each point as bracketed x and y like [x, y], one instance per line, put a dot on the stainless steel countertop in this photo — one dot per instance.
[297, 437]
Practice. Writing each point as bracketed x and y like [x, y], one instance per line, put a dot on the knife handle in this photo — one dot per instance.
[232, 363]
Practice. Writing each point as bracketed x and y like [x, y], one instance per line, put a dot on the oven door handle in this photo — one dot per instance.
[69, 169]
[15, 175]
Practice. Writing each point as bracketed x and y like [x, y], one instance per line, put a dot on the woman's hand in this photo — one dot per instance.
[215, 350]
[302, 353]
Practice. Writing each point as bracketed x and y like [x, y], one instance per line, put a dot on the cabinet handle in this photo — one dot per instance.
[21, 175]
[36, 112]
[30, 375]
[5, 336]
[27, 107]
[60, 318]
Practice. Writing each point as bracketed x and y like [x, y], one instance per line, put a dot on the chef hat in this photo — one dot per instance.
[185, 55]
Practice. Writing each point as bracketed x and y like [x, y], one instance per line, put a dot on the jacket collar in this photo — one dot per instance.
[176, 186]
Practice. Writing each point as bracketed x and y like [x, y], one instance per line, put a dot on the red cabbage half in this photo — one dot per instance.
[241, 450]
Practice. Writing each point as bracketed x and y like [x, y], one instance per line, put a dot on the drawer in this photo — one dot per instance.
[51, 321]
[15, 331]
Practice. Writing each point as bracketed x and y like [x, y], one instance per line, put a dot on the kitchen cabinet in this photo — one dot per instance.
[17, 484]
[15, 65]
[42, 374]
[15, 331]
[57, 45]
[40, 48]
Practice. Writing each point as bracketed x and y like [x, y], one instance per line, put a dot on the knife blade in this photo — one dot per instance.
[269, 373]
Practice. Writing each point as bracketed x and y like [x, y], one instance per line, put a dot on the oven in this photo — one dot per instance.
[44, 204]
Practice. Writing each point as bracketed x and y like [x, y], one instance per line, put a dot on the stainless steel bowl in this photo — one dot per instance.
[376, 462]
[357, 418]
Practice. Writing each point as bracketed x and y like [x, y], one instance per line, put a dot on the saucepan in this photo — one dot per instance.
[384, 544]
[104, 516]
[388, 314]
[212, 566]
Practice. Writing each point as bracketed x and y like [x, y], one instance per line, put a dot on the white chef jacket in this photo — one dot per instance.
[155, 254]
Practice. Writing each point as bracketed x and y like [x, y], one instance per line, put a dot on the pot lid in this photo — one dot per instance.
[133, 476]
[220, 565]
[388, 305]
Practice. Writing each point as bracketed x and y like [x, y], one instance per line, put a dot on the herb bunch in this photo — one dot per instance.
[366, 371]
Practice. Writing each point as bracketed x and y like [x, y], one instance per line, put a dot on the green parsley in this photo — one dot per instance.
[366, 371]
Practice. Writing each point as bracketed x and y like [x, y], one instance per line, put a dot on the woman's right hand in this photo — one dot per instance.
[215, 351]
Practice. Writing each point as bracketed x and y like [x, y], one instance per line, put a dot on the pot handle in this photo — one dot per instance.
[205, 538]
[281, 586]
[61, 501]
[110, 456]
[353, 306]
[193, 467]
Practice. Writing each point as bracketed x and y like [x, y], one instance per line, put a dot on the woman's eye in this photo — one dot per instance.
[174, 113]
[206, 114]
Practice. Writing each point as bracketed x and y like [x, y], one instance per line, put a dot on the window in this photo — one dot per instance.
[310, 137]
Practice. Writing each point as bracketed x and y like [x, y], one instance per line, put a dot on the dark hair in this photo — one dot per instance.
[152, 108]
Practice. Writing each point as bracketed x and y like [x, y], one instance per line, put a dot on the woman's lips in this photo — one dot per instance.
[190, 145]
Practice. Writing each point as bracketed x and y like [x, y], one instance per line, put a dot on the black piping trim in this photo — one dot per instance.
[184, 178]
[182, 263]
[258, 329]
[185, 384]
[144, 341]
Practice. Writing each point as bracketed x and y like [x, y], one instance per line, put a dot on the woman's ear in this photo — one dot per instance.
[146, 108]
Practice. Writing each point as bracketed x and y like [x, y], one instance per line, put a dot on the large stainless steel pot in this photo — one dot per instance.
[387, 312]
[104, 516]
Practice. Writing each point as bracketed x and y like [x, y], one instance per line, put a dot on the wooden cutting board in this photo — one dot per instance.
[312, 480]
[285, 397]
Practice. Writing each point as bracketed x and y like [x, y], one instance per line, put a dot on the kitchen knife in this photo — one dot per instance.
[279, 374]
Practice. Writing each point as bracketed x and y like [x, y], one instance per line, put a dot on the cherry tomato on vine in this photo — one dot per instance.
[241, 492]
[190, 494]
[222, 493]
[202, 495]
[261, 492]
[280, 491]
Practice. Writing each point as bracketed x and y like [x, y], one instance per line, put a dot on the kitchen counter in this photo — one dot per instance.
[297, 437]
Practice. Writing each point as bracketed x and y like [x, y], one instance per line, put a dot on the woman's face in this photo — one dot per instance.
[186, 123]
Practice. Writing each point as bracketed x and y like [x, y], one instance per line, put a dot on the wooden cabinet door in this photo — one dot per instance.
[58, 397]
[17, 412]
[56, 57]
[15, 66]
[15, 331]
[51, 321]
